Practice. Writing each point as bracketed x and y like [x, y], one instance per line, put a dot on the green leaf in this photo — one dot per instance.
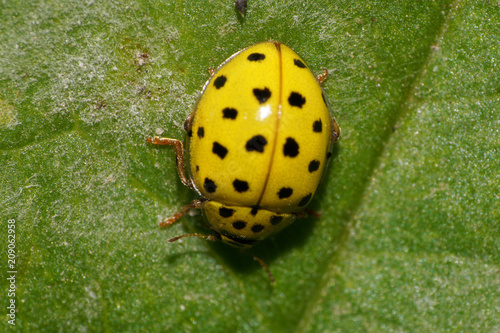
[408, 238]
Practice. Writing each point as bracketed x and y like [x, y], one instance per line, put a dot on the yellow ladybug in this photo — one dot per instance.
[258, 142]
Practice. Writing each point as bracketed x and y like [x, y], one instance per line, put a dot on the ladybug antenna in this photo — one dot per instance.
[214, 238]
[207, 237]
[264, 265]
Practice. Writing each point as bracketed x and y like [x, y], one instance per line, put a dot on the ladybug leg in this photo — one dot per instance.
[179, 156]
[188, 122]
[335, 131]
[308, 212]
[195, 204]
[312, 212]
[241, 6]
[322, 77]
[207, 237]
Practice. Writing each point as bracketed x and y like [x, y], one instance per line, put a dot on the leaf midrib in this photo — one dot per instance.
[405, 106]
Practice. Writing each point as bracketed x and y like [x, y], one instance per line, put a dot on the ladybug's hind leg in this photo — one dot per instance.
[335, 131]
[179, 156]
[322, 77]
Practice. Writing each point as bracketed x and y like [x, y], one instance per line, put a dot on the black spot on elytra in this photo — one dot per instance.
[256, 57]
[238, 225]
[299, 63]
[285, 192]
[220, 82]
[256, 143]
[262, 95]
[257, 228]
[240, 185]
[219, 150]
[209, 185]
[254, 211]
[275, 219]
[318, 126]
[313, 166]
[229, 113]
[197, 168]
[190, 133]
[226, 212]
[296, 99]
[201, 132]
[291, 147]
[305, 200]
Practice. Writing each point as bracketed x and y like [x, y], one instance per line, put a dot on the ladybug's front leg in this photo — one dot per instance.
[195, 204]
[179, 155]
